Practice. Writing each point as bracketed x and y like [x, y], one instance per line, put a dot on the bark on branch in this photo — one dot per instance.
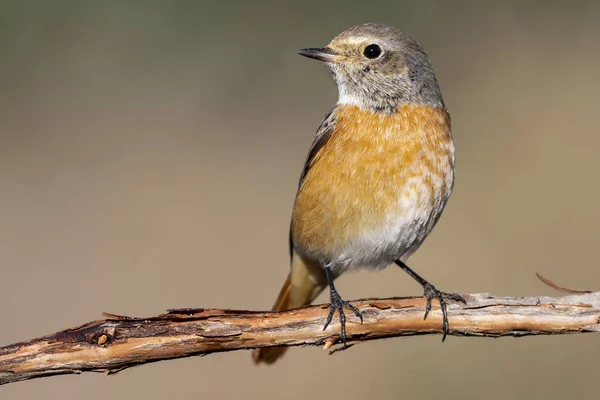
[117, 343]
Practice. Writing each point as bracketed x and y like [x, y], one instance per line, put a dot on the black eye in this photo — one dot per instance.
[372, 51]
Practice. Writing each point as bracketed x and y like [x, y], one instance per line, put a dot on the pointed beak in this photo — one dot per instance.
[322, 54]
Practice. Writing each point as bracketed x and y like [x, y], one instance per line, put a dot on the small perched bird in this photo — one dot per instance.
[378, 174]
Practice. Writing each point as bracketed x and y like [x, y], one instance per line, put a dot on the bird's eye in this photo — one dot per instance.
[372, 51]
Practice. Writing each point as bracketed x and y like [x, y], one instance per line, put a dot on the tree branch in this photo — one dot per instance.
[117, 343]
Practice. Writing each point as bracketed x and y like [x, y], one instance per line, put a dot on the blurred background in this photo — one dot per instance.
[149, 157]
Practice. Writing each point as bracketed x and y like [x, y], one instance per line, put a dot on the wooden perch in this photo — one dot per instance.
[117, 343]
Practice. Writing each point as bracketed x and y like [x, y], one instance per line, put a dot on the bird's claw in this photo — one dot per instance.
[337, 304]
[430, 293]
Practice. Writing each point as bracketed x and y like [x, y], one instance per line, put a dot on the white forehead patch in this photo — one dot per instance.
[356, 39]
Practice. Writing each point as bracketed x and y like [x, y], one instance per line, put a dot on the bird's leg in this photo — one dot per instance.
[336, 303]
[431, 292]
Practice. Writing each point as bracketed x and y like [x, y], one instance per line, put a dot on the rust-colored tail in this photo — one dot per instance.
[303, 284]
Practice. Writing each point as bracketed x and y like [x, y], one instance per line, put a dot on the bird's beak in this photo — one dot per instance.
[323, 54]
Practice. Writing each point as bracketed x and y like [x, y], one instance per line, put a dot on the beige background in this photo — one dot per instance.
[149, 155]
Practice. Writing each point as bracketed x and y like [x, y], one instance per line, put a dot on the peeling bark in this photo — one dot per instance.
[117, 343]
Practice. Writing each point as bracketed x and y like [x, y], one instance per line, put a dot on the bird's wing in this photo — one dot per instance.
[323, 134]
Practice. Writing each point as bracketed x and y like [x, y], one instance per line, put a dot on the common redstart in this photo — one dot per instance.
[378, 174]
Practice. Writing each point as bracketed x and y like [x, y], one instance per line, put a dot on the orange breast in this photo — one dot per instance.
[360, 176]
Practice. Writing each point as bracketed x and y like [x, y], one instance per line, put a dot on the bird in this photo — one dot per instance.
[378, 174]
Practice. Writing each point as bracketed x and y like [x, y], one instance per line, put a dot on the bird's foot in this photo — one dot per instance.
[338, 304]
[430, 293]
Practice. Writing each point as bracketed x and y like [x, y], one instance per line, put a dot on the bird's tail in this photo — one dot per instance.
[304, 283]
